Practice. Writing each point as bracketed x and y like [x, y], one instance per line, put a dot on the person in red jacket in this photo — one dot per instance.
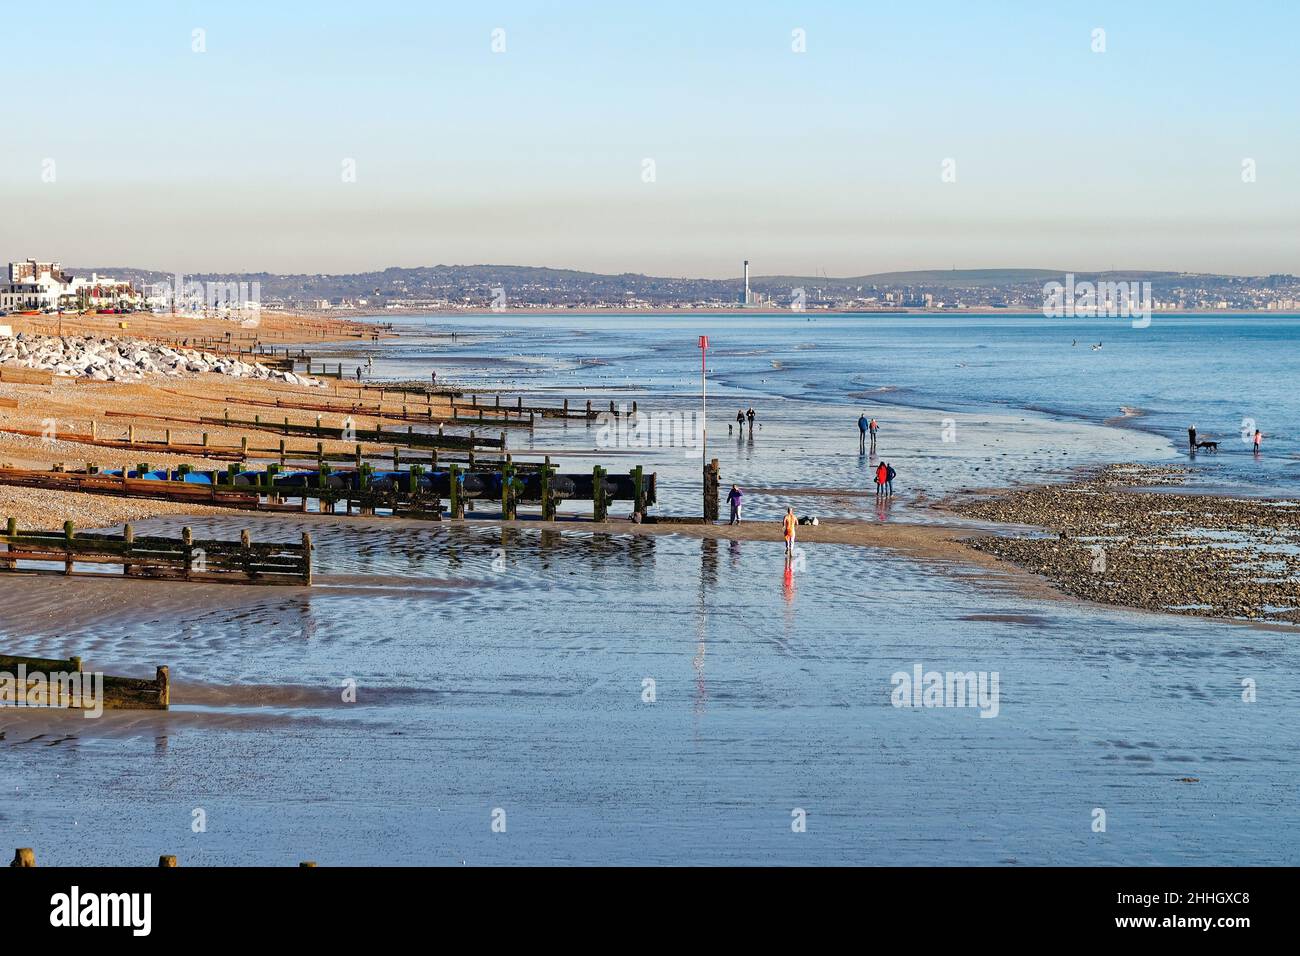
[882, 476]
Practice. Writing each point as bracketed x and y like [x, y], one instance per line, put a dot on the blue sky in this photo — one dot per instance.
[829, 159]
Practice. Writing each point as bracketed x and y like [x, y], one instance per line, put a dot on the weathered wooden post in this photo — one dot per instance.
[163, 680]
[205, 440]
[130, 434]
[243, 446]
[638, 485]
[187, 542]
[566, 408]
[24, 857]
[11, 531]
[68, 534]
[94, 430]
[548, 495]
[281, 452]
[711, 491]
[358, 457]
[507, 491]
[128, 539]
[589, 416]
[599, 509]
[454, 492]
[306, 558]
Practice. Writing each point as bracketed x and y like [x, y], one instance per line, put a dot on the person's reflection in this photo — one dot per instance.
[733, 549]
[787, 581]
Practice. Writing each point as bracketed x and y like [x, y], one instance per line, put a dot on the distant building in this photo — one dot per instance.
[45, 286]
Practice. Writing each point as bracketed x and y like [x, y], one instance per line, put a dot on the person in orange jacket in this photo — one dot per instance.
[788, 525]
[882, 476]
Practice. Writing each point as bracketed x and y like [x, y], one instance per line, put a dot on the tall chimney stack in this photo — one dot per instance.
[746, 300]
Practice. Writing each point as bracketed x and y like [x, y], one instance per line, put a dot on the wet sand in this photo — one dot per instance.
[521, 688]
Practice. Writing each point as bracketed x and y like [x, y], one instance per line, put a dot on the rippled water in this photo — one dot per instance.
[507, 669]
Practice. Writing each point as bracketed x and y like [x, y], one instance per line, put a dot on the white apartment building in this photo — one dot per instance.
[44, 286]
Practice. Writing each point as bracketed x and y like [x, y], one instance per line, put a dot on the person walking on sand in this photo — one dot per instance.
[733, 499]
[882, 475]
[889, 480]
[788, 524]
[1259, 438]
[750, 415]
[873, 427]
[740, 421]
[1191, 438]
[358, 373]
[863, 425]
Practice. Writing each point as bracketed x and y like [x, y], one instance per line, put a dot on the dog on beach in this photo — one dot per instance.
[1208, 445]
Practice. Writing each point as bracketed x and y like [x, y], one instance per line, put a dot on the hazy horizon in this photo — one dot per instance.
[340, 139]
[753, 275]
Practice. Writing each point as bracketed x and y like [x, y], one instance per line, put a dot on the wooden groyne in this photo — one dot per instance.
[48, 677]
[170, 559]
[411, 493]
[25, 376]
[129, 443]
[375, 436]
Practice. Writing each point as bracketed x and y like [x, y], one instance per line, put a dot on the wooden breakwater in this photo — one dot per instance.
[25, 376]
[47, 686]
[411, 493]
[160, 558]
[347, 433]
[129, 443]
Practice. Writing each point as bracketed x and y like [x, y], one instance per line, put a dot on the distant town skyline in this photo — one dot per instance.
[672, 140]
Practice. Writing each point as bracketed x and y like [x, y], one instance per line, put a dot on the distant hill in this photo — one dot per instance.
[459, 285]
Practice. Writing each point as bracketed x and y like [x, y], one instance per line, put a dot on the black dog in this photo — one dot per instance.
[1208, 445]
